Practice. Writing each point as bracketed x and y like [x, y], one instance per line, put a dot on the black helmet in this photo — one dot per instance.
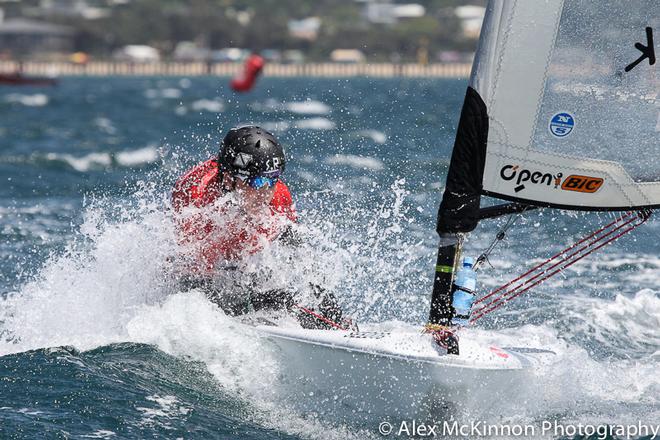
[251, 151]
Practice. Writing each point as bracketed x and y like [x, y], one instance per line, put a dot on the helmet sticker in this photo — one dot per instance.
[273, 164]
[242, 160]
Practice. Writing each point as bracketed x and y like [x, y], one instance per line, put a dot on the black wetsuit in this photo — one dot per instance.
[276, 299]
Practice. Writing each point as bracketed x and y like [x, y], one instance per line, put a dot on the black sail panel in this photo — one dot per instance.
[459, 210]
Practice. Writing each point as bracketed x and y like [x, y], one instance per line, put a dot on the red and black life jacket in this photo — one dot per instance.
[196, 192]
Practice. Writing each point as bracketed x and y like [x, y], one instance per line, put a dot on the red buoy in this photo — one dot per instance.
[244, 82]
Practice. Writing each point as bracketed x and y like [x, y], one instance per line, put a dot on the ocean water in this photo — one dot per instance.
[96, 342]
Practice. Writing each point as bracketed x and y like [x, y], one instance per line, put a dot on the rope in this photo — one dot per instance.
[442, 335]
[320, 317]
[552, 258]
[594, 241]
[499, 237]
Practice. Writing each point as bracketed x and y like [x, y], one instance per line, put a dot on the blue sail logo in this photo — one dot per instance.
[562, 124]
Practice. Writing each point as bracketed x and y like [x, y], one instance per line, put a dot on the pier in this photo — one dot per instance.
[111, 68]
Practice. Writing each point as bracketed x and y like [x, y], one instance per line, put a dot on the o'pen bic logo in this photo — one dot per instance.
[562, 124]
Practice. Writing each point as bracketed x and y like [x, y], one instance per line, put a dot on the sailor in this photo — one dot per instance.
[228, 208]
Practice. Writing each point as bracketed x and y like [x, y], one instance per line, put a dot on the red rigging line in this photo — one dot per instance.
[596, 242]
[557, 255]
[535, 268]
[320, 317]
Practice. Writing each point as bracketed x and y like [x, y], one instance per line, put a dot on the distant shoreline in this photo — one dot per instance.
[103, 68]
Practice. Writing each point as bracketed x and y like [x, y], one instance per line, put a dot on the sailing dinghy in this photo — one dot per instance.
[560, 112]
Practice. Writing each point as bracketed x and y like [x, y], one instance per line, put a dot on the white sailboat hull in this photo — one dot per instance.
[374, 375]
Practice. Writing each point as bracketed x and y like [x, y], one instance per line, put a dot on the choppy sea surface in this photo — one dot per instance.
[95, 342]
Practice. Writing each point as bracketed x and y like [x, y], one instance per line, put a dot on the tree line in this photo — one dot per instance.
[262, 24]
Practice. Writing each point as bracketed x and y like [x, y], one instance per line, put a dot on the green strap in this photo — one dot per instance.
[444, 269]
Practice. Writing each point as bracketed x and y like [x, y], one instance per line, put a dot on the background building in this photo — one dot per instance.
[383, 30]
[21, 37]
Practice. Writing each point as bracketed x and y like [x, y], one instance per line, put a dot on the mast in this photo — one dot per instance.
[460, 207]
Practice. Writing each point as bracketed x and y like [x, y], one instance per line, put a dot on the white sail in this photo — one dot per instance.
[568, 126]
